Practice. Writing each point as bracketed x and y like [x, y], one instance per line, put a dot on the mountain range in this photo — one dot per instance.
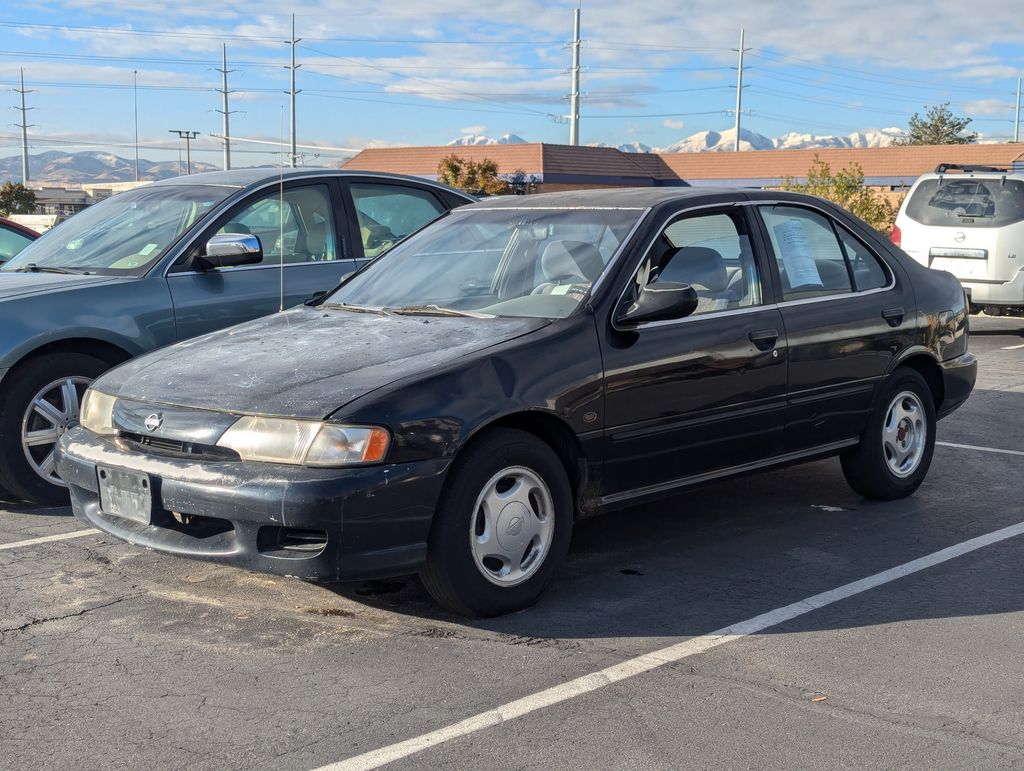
[90, 166]
[721, 141]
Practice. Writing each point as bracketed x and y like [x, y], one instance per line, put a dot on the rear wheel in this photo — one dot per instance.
[39, 401]
[895, 451]
[502, 526]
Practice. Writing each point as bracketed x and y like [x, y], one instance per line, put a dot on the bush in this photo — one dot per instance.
[846, 188]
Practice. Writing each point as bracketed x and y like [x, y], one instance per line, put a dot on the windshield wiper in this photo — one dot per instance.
[33, 268]
[436, 310]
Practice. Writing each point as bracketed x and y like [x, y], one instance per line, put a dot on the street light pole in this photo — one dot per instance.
[135, 74]
[188, 136]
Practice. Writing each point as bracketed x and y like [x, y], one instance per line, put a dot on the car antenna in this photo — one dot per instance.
[280, 217]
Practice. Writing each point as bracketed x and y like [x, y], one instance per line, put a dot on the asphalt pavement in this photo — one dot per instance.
[116, 657]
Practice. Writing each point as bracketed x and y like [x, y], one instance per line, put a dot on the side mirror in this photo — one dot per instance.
[659, 302]
[228, 250]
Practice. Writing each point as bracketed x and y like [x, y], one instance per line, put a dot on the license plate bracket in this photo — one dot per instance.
[125, 494]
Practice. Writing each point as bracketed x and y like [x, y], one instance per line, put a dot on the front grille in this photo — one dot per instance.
[155, 445]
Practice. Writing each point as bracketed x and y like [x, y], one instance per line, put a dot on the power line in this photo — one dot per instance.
[225, 111]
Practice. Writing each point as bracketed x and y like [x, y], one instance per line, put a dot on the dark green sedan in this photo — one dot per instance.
[169, 261]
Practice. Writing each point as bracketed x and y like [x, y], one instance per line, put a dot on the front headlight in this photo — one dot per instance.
[304, 442]
[97, 414]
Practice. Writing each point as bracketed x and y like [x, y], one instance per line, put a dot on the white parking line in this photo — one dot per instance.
[979, 449]
[48, 539]
[1012, 347]
[670, 655]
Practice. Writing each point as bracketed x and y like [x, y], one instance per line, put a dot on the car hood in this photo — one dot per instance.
[306, 362]
[20, 284]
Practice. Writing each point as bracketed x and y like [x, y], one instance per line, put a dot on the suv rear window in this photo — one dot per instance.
[968, 203]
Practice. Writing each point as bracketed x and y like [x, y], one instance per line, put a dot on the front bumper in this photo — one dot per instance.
[376, 519]
[958, 378]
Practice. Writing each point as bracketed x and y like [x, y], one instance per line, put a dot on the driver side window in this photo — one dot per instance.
[711, 253]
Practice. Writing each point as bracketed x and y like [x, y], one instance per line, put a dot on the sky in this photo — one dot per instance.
[409, 72]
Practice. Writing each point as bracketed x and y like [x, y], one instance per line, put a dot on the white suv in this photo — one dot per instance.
[969, 220]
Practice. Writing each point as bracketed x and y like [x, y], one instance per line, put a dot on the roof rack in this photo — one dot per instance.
[943, 168]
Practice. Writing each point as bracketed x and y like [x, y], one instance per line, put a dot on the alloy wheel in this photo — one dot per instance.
[52, 411]
[904, 434]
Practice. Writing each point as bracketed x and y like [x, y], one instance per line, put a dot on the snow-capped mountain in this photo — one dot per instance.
[867, 138]
[722, 141]
[480, 139]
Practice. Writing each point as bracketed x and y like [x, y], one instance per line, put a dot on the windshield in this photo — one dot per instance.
[979, 202]
[498, 262]
[126, 233]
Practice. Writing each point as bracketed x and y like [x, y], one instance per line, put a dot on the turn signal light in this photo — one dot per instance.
[896, 236]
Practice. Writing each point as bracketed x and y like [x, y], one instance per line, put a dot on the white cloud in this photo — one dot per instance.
[988, 107]
[671, 123]
[478, 129]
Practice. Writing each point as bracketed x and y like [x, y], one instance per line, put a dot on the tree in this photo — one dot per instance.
[478, 177]
[846, 188]
[939, 127]
[15, 198]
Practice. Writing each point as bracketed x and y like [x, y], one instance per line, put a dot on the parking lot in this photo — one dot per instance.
[115, 657]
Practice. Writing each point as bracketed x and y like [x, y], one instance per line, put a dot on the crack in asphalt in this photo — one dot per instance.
[75, 614]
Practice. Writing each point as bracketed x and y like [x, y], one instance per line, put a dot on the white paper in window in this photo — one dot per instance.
[801, 270]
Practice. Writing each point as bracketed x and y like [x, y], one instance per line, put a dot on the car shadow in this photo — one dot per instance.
[731, 550]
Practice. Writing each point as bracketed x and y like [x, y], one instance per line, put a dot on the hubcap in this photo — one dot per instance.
[50, 413]
[512, 526]
[904, 434]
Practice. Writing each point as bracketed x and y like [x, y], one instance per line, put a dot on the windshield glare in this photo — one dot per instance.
[500, 262]
[126, 233]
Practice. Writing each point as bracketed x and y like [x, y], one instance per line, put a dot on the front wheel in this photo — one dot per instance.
[895, 451]
[502, 526]
[39, 401]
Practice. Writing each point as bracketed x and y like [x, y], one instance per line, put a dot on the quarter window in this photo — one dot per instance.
[388, 213]
[868, 272]
[711, 253]
[298, 224]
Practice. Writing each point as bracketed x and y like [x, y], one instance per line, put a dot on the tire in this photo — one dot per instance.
[23, 384]
[468, 569]
[893, 457]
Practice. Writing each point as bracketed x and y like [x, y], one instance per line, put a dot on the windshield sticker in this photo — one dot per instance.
[148, 249]
[801, 270]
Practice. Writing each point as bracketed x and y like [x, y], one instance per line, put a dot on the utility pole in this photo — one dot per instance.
[574, 97]
[293, 67]
[135, 74]
[24, 126]
[1016, 120]
[739, 92]
[188, 136]
[224, 103]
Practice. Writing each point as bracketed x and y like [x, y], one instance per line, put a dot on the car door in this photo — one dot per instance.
[301, 227]
[383, 213]
[696, 395]
[845, 311]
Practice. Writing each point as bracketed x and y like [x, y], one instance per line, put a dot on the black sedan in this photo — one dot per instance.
[454, 406]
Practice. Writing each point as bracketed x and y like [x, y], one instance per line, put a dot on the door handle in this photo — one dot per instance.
[764, 339]
[894, 316]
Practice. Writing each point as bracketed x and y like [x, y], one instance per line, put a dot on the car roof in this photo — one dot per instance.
[242, 178]
[632, 198]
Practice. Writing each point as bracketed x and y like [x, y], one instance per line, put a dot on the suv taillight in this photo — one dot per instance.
[896, 236]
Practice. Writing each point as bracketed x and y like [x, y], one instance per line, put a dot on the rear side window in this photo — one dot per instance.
[967, 202]
[388, 213]
[810, 259]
